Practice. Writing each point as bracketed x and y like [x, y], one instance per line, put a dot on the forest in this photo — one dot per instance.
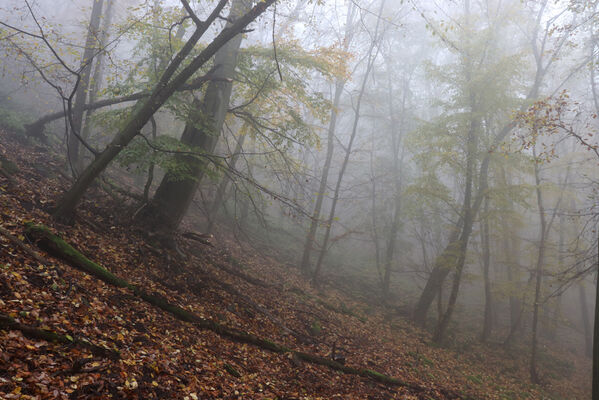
[299, 199]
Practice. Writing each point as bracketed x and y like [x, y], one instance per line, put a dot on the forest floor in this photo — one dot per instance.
[160, 357]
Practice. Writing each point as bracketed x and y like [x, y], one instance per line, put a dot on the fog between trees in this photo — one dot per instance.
[437, 157]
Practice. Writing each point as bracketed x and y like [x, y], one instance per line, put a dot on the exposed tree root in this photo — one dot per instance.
[9, 323]
[58, 247]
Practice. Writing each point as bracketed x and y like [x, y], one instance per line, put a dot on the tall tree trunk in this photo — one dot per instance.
[534, 376]
[202, 130]
[397, 132]
[339, 85]
[469, 214]
[76, 120]
[486, 259]
[596, 335]
[586, 323]
[167, 85]
[96, 80]
[370, 63]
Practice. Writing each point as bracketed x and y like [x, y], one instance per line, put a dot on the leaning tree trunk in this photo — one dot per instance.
[166, 86]
[91, 47]
[205, 121]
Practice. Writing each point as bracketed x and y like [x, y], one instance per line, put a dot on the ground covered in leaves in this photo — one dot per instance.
[160, 357]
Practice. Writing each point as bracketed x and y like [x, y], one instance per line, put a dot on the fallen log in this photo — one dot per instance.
[9, 323]
[58, 247]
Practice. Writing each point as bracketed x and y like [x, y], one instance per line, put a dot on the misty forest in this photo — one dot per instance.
[299, 199]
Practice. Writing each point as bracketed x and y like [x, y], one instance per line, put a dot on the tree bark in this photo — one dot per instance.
[202, 130]
[97, 76]
[81, 93]
[534, 376]
[486, 259]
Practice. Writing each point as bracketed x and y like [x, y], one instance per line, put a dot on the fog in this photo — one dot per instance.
[438, 159]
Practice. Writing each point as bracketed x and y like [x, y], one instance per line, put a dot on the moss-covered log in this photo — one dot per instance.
[58, 247]
[9, 323]
[54, 245]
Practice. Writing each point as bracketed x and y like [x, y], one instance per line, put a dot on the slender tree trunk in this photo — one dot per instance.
[96, 80]
[586, 322]
[160, 94]
[596, 335]
[91, 47]
[397, 131]
[486, 258]
[534, 376]
[339, 85]
[371, 58]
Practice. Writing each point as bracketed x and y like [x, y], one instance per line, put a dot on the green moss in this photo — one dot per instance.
[55, 245]
[315, 328]
[476, 379]
[230, 369]
[13, 121]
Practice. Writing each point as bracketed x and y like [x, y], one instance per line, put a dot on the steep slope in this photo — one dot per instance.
[160, 356]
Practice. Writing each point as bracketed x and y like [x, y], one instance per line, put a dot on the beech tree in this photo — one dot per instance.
[169, 82]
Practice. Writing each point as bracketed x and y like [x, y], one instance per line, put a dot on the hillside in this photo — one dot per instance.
[141, 351]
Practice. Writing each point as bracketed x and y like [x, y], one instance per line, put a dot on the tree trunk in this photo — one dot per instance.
[174, 194]
[76, 120]
[160, 94]
[586, 322]
[596, 335]
[534, 376]
[339, 85]
[486, 258]
[397, 131]
[370, 63]
[222, 186]
[97, 76]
